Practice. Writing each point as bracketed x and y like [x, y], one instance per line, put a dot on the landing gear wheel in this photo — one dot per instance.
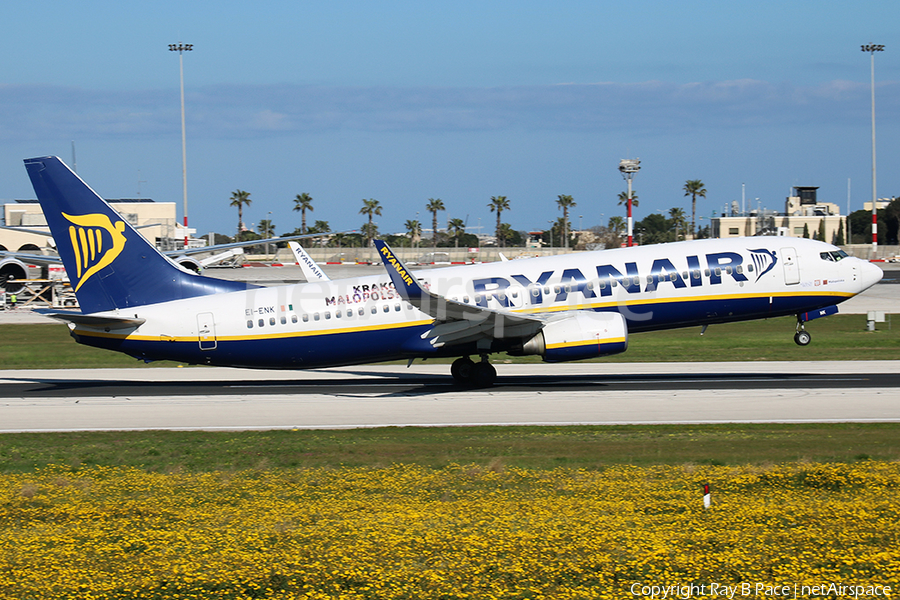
[462, 369]
[484, 375]
[802, 338]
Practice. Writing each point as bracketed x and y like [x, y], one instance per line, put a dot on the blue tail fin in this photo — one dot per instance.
[109, 264]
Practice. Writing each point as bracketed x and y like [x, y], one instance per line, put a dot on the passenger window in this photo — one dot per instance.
[349, 312]
[602, 284]
[361, 311]
[374, 310]
[695, 274]
[673, 277]
[515, 294]
[556, 289]
[271, 320]
[706, 272]
[250, 324]
[387, 308]
[589, 285]
[749, 268]
[477, 298]
[739, 269]
[718, 272]
[327, 314]
[283, 320]
[262, 322]
[547, 291]
[397, 307]
[293, 318]
[315, 316]
[536, 292]
[305, 318]
[466, 299]
[337, 314]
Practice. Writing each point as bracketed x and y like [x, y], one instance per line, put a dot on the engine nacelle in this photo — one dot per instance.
[12, 270]
[585, 334]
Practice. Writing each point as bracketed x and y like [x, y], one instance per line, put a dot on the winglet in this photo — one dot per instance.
[403, 279]
[310, 269]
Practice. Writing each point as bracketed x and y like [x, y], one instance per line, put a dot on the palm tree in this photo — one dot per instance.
[240, 198]
[303, 203]
[504, 232]
[457, 227]
[320, 227]
[498, 204]
[676, 215]
[266, 228]
[565, 202]
[370, 207]
[694, 188]
[414, 229]
[623, 198]
[434, 205]
[616, 224]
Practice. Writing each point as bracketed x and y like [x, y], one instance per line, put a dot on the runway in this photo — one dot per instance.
[424, 395]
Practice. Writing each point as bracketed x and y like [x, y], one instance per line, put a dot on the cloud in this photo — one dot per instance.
[245, 111]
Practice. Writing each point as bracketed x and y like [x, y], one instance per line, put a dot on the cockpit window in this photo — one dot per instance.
[833, 256]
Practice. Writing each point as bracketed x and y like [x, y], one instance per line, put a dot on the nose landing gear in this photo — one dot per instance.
[472, 374]
[802, 337]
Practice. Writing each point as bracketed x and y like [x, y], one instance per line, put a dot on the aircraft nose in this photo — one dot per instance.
[870, 274]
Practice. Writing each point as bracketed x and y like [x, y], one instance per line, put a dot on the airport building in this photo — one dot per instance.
[802, 213]
[156, 221]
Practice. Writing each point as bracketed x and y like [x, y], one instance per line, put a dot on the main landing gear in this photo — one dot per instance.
[802, 337]
[472, 374]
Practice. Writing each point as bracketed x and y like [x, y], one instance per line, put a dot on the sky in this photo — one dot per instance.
[406, 101]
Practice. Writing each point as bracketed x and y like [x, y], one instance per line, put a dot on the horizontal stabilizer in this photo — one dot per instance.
[90, 320]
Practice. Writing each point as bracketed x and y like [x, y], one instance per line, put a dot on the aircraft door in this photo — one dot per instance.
[206, 330]
[791, 266]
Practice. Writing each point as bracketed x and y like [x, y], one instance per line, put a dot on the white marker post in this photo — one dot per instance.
[706, 496]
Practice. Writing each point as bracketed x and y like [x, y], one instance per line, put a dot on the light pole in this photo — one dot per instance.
[180, 49]
[872, 49]
[628, 167]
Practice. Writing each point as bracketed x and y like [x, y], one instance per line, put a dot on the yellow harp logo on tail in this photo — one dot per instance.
[92, 252]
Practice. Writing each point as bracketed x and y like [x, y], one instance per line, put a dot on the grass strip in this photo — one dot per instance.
[534, 447]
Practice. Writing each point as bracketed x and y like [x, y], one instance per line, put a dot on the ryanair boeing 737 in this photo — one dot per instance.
[570, 307]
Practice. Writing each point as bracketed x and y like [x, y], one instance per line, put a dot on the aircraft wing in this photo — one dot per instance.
[455, 322]
[246, 243]
[38, 259]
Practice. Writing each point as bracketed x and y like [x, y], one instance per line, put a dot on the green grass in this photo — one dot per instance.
[841, 337]
[589, 447]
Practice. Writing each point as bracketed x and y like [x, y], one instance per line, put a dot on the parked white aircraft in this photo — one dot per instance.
[568, 307]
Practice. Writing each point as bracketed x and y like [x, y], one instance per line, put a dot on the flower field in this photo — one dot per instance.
[415, 532]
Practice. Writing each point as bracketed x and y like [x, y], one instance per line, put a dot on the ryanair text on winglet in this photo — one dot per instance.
[407, 279]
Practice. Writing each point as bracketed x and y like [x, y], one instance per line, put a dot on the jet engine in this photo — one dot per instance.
[586, 334]
[12, 272]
